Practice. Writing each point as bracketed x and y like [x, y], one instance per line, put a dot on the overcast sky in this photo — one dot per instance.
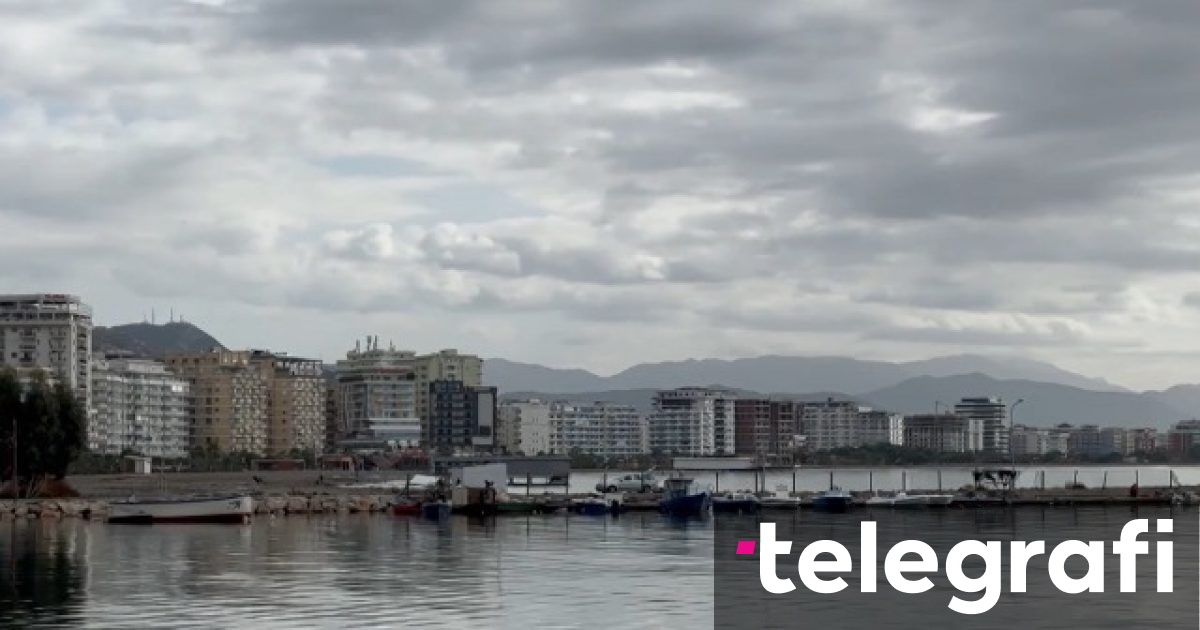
[595, 184]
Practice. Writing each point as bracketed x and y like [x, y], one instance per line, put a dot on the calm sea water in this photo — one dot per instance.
[554, 571]
[359, 571]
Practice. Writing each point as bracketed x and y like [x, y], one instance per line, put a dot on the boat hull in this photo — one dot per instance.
[234, 509]
[406, 509]
[689, 505]
[832, 504]
[735, 506]
[436, 510]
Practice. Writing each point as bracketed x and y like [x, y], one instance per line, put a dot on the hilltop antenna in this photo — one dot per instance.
[172, 320]
[152, 317]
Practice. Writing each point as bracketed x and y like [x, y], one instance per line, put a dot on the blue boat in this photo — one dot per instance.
[436, 510]
[836, 500]
[592, 506]
[680, 501]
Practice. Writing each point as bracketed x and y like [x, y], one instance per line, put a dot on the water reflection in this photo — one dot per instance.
[42, 577]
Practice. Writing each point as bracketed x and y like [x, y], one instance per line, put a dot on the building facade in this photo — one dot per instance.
[49, 332]
[377, 395]
[462, 417]
[390, 384]
[139, 406]
[943, 433]
[1183, 437]
[693, 421]
[601, 429]
[253, 401]
[296, 403]
[880, 427]
[831, 424]
[987, 421]
[229, 407]
[526, 426]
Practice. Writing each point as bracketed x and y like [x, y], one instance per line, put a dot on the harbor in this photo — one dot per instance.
[491, 489]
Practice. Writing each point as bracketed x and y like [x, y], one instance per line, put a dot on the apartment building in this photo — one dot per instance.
[139, 406]
[229, 407]
[693, 421]
[50, 332]
[602, 429]
[462, 417]
[254, 401]
[987, 423]
[943, 433]
[831, 424]
[395, 384]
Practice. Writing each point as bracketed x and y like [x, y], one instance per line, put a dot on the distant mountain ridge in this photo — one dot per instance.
[774, 373]
[153, 340]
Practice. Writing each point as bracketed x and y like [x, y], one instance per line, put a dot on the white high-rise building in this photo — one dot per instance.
[987, 423]
[693, 421]
[50, 332]
[139, 406]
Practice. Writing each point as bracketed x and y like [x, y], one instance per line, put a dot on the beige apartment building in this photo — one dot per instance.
[253, 401]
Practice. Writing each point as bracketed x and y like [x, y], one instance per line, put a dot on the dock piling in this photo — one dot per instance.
[939, 480]
[831, 480]
[793, 481]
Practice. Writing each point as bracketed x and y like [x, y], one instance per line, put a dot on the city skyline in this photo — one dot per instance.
[585, 187]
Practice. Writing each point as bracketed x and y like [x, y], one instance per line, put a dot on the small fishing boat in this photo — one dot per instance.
[233, 508]
[781, 500]
[898, 501]
[592, 506]
[436, 510]
[406, 506]
[835, 500]
[736, 503]
[936, 500]
[679, 500]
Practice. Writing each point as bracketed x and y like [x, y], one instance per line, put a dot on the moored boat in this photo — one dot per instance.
[898, 500]
[679, 500]
[436, 510]
[592, 506]
[936, 500]
[736, 503]
[406, 507]
[234, 508]
[835, 500]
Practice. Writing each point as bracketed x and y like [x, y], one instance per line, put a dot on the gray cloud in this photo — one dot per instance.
[681, 178]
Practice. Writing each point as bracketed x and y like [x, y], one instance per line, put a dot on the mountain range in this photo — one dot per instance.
[1051, 394]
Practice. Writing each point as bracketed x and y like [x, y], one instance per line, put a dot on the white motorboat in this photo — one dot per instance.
[935, 500]
[898, 500]
[234, 508]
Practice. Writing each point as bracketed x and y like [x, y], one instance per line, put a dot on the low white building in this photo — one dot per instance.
[140, 406]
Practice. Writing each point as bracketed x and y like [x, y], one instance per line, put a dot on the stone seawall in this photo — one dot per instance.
[279, 505]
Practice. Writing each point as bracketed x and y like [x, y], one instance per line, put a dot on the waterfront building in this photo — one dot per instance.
[333, 431]
[526, 427]
[1183, 437]
[831, 424]
[390, 384]
[296, 402]
[253, 401]
[49, 332]
[602, 429]
[1114, 440]
[462, 417]
[377, 393]
[229, 400]
[942, 433]
[879, 427]
[767, 429]
[1142, 440]
[139, 406]
[1085, 442]
[695, 421]
[1028, 441]
[987, 423]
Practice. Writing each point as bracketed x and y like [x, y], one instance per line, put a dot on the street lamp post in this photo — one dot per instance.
[1012, 453]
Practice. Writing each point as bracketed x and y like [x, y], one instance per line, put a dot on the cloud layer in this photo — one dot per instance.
[596, 184]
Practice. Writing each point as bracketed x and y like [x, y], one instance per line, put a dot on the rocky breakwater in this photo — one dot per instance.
[321, 504]
[52, 508]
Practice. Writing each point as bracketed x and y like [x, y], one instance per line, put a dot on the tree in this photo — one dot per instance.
[50, 430]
